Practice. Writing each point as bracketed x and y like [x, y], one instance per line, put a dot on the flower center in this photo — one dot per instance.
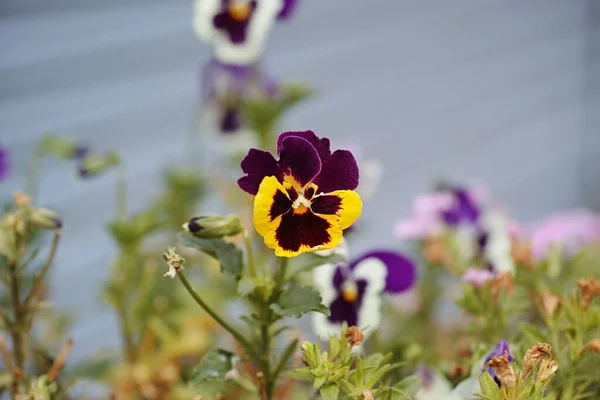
[350, 291]
[301, 204]
[240, 10]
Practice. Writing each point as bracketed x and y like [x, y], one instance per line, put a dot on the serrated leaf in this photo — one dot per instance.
[213, 367]
[331, 391]
[298, 300]
[410, 385]
[230, 257]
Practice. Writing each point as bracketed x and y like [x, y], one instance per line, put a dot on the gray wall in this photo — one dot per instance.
[490, 90]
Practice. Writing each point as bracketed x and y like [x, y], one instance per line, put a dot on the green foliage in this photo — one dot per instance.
[230, 257]
[296, 300]
[213, 367]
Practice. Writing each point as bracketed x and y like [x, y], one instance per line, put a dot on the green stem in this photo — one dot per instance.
[237, 335]
[121, 194]
[40, 276]
[270, 377]
[32, 182]
[249, 254]
[16, 329]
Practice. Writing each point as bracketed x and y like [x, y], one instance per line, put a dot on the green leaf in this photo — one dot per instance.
[532, 333]
[246, 286]
[410, 385]
[395, 394]
[298, 300]
[308, 261]
[331, 391]
[213, 367]
[489, 387]
[230, 257]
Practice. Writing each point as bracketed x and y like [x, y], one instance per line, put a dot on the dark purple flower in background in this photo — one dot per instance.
[464, 209]
[353, 291]
[226, 86]
[3, 162]
[234, 17]
[289, 6]
[498, 350]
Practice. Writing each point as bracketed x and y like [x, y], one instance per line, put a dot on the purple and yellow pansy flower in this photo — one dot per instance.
[353, 291]
[305, 199]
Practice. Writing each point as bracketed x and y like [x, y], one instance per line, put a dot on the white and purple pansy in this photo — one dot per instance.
[353, 291]
[224, 86]
[3, 163]
[237, 29]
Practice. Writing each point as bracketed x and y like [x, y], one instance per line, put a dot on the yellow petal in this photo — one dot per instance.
[263, 202]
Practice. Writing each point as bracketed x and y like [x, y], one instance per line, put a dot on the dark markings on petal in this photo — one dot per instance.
[307, 229]
[292, 193]
[309, 193]
[281, 205]
[342, 310]
[327, 204]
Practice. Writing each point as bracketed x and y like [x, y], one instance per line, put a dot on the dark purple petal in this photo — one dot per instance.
[339, 172]
[464, 210]
[342, 310]
[321, 145]
[235, 29]
[288, 9]
[299, 159]
[326, 204]
[257, 165]
[3, 163]
[281, 205]
[499, 349]
[230, 123]
[401, 270]
[338, 277]
[306, 229]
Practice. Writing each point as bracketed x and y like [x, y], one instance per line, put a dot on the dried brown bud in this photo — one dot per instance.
[435, 252]
[354, 336]
[533, 356]
[458, 370]
[367, 395]
[590, 289]
[593, 345]
[522, 254]
[547, 369]
[549, 302]
[502, 281]
[503, 369]
[260, 382]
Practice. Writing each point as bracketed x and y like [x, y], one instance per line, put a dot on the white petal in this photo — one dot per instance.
[466, 389]
[171, 272]
[204, 12]
[439, 389]
[374, 272]
[323, 281]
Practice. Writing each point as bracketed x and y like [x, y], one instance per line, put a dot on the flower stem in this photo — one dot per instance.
[40, 276]
[16, 329]
[121, 193]
[32, 181]
[237, 335]
[249, 254]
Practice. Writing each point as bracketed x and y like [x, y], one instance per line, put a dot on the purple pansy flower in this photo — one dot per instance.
[499, 349]
[289, 6]
[237, 29]
[353, 290]
[224, 86]
[299, 154]
[3, 163]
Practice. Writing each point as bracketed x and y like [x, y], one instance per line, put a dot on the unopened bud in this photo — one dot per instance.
[590, 289]
[44, 218]
[354, 336]
[93, 164]
[592, 345]
[209, 226]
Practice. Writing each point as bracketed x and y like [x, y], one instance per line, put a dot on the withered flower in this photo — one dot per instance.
[521, 252]
[504, 371]
[367, 395]
[458, 370]
[547, 369]
[502, 281]
[533, 356]
[20, 199]
[354, 336]
[435, 252]
[592, 345]
[590, 289]
[549, 302]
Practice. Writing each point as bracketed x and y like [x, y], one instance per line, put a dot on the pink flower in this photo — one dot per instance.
[477, 277]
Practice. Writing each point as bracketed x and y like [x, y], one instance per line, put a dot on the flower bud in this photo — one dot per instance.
[93, 164]
[61, 148]
[214, 226]
[504, 371]
[44, 218]
[367, 395]
[592, 345]
[533, 356]
[590, 289]
[175, 262]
